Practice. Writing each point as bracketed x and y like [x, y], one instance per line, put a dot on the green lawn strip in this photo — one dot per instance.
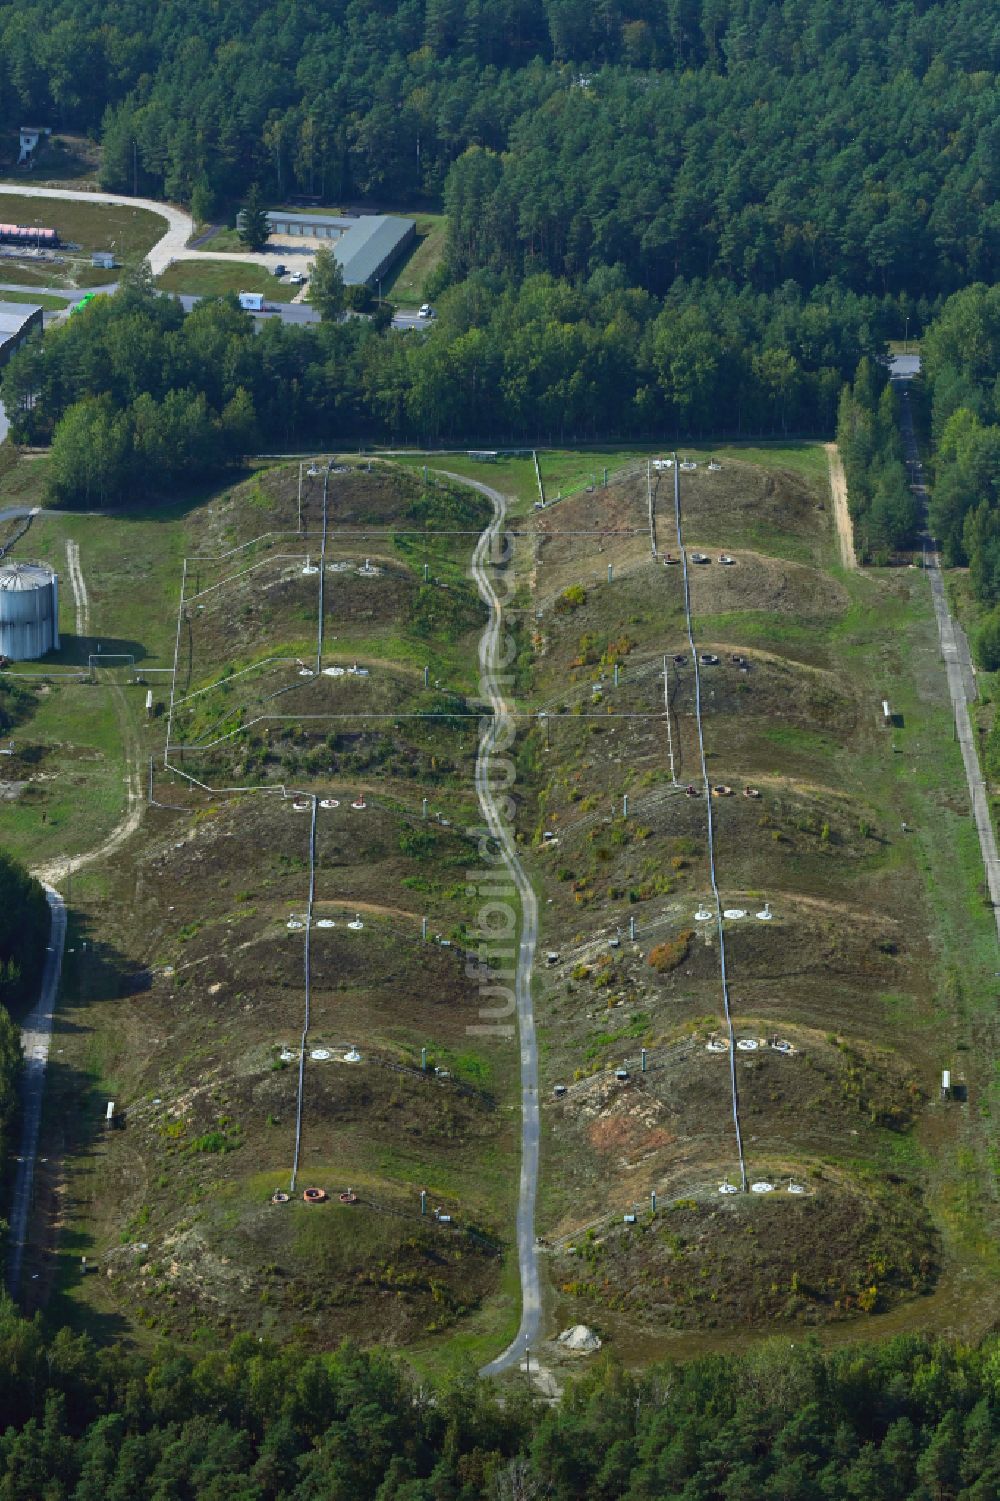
[209, 278]
[93, 226]
[924, 775]
[575, 468]
[970, 612]
[224, 239]
[87, 1067]
[36, 299]
[131, 567]
[763, 628]
[511, 476]
[41, 274]
[480, 1337]
[22, 480]
[83, 792]
[406, 284]
[446, 659]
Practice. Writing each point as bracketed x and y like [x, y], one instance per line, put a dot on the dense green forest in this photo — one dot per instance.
[664, 220]
[136, 396]
[960, 369]
[757, 140]
[911, 1420]
[885, 512]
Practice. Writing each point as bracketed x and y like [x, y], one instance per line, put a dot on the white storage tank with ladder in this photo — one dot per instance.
[29, 611]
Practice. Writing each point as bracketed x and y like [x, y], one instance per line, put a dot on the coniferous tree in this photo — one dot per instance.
[253, 225]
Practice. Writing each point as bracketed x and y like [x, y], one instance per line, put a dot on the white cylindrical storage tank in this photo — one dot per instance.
[29, 611]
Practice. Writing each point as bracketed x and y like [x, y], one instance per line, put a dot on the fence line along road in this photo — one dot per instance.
[36, 1036]
[958, 668]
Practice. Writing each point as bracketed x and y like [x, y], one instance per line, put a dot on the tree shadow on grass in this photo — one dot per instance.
[78, 651]
[63, 1246]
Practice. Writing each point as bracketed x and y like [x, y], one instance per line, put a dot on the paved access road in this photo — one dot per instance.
[410, 320]
[958, 664]
[500, 729]
[36, 1035]
[173, 246]
[170, 247]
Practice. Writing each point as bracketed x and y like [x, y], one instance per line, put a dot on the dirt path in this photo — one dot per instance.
[57, 871]
[79, 588]
[841, 515]
[37, 1031]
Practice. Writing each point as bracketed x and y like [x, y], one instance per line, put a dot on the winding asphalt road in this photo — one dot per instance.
[36, 1034]
[172, 244]
[500, 730]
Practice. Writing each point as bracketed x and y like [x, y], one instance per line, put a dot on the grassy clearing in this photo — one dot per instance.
[38, 299]
[39, 274]
[93, 226]
[210, 278]
[224, 239]
[77, 792]
[572, 470]
[882, 940]
[482, 1337]
[408, 281]
[131, 567]
[22, 478]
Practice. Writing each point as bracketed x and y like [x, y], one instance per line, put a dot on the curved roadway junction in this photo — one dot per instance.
[173, 246]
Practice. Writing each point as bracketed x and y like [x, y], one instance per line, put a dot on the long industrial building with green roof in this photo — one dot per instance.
[366, 245]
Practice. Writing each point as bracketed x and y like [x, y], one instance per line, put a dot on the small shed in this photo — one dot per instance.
[30, 135]
[103, 260]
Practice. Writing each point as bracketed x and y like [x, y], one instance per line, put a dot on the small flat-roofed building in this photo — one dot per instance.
[30, 137]
[18, 320]
[366, 245]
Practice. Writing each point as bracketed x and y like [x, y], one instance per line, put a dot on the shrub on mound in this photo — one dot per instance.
[667, 956]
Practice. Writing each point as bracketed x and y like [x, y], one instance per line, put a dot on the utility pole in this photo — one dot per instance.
[649, 503]
[666, 710]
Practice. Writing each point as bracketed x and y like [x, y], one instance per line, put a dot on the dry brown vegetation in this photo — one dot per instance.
[788, 713]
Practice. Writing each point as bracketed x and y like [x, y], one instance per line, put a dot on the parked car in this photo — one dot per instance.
[280, 270]
[296, 278]
[425, 310]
